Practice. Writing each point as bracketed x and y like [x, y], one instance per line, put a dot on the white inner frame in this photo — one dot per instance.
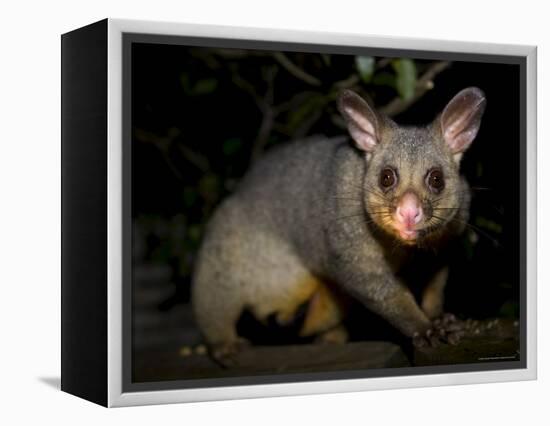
[116, 397]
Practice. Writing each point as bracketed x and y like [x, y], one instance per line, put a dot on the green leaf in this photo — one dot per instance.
[509, 309]
[189, 196]
[326, 59]
[195, 233]
[406, 77]
[208, 186]
[384, 79]
[231, 146]
[205, 86]
[200, 87]
[468, 245]
[479, 169]
[185, 83]
[365, 67]
[310, 106]
[488, 224]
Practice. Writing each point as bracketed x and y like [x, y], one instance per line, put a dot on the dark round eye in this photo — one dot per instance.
[388, 178]
[435, 180]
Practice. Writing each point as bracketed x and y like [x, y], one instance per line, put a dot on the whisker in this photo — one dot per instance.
[445, 208]
[467, 190]
[380, 211]
[348, 198]
[371, 189]
[375, 192]
[350, 216]
[448, 195]
[382, 216]
[368, 189]
[359, 187]
[475, 228]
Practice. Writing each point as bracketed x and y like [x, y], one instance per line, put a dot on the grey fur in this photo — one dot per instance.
[306, 209]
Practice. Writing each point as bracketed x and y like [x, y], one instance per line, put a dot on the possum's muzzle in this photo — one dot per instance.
[408, 214]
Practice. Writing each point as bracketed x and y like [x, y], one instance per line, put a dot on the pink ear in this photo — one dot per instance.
[360, 118]
[461, 119]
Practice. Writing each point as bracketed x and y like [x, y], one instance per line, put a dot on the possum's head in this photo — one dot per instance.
[412, 186]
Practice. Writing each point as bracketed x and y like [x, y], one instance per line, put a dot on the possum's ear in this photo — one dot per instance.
[361, 120]
[461, 118]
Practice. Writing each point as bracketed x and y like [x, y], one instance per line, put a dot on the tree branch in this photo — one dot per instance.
[295, 70]
[265, 105]
[164, 144]
[423, 84]
[268, 116]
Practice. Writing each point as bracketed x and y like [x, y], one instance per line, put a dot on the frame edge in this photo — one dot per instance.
[116, 397]
[83, 206]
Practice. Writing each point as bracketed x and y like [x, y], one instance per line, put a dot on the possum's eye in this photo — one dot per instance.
[435, 180]
[388, 178]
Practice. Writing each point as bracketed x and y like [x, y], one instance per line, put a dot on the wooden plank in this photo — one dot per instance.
[485, 341]
[169, 365]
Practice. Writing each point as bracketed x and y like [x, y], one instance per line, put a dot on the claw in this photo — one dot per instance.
[448, 318]
[419, 341]
[454, 327]
[453, 338]
[226, 354]
[445, 329]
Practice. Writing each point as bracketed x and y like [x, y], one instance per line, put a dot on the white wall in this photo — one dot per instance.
[30, 173]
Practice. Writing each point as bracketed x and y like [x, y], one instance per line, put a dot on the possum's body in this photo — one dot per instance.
[267, 257]
[320, 213]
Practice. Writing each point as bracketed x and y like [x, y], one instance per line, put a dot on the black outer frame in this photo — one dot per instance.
[84, 212]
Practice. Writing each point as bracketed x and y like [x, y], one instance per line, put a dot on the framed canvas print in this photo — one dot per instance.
[251, 212]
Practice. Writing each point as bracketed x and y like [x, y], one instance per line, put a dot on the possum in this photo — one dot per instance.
[350, 213]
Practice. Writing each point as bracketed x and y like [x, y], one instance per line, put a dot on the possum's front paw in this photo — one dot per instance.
[445, 329]
[226, 353]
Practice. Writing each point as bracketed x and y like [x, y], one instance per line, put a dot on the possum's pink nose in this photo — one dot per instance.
[409, 210]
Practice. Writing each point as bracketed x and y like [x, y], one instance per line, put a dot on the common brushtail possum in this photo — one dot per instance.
[325, 212]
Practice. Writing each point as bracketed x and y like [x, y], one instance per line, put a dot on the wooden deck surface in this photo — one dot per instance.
[500, 343]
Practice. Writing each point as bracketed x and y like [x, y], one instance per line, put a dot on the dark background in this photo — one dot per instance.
[201, 116]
